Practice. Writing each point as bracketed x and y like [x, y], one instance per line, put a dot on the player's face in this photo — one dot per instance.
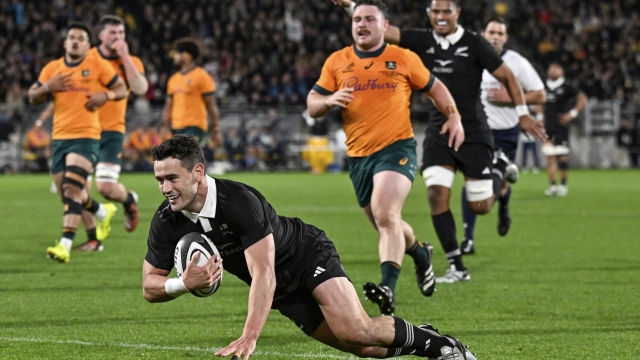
[443, 15]
[496, 35]
[368, 26]
[178, 58]
[554, 72]
[177, 184]
[110, 34]
[76, 44]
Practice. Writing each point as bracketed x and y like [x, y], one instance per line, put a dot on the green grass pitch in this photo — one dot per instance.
[563, 284]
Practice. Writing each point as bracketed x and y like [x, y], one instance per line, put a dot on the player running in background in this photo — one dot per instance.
[372, 82]
[458, 57]
[114, 49]
[76, 82]
[190, 96]
[290, 266]
[564, 103]
[503, 121]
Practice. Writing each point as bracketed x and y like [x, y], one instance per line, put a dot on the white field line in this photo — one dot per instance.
[175, 348]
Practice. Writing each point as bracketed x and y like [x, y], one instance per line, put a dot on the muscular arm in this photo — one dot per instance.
[166, 113]
[318, 105]
[37, 94]
[212, 109]
[137, 81]
[581, 101]
[506, 77]
[441, 96]
[153, 280]
[120, 89]
[535, 97]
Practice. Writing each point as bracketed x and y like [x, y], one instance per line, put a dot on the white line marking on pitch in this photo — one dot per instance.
[162, 347]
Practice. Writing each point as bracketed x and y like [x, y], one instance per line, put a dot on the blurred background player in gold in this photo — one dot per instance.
[190, 96]
[114, 49]
[77, 84]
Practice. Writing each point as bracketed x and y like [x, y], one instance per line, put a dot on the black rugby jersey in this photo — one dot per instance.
[242, 218]
[460, 68]
[560, 100]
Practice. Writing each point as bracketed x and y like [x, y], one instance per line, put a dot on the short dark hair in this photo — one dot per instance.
[377, 3]
[109, 20]
[455, 2]
[495, 19]
[180, 147]
[189, 46]
[79, 25]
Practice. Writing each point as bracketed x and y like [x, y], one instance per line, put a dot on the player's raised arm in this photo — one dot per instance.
[261, 263]
[38, 92]
[135, 77]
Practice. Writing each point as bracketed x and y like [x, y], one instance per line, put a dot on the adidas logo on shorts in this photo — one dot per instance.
[319, 271]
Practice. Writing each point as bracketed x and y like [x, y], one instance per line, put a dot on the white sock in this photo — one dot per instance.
[101, 213]
[67, 243]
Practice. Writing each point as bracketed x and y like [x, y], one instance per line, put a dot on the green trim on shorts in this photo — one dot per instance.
[200, 135]
[399, 157]
[87, 148]
[111, 143]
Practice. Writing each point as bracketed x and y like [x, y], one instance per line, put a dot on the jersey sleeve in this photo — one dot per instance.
[138, 64]
[248, 218]
[572, 92]
[420, 78]
[46, 74]
[412, 38]
[327, 83]
[488, 57]
[207, 85]
[160, 248]
[528, 76]
[108, 76]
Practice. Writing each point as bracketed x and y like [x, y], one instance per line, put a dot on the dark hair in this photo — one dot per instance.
[495, 19]
[377, 3]
[79, 25]
[109, 20]
[180, 147]
[187, 45]
[455, 2]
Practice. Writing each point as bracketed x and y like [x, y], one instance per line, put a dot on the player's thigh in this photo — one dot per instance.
[341, 306]
[394, 171]
[111, 146]
[361, 175]
[77, 152]
[199, 134]
[476, 161]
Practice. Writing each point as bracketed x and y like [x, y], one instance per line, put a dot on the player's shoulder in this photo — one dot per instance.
[163, 216]
[417, 31]
[399, 52]
[55, 63]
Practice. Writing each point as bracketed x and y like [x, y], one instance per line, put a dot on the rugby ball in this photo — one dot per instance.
[187, 247]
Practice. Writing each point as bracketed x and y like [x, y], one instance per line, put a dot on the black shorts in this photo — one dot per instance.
[321, 262]
[559, 135]
[474, 160]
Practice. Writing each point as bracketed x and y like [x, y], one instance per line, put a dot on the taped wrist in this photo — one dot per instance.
[175, 287]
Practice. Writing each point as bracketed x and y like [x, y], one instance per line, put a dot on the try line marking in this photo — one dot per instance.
[179, 348]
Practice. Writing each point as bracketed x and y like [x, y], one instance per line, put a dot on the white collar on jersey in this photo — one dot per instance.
[450, 39]
[554, 84]
[209, 207]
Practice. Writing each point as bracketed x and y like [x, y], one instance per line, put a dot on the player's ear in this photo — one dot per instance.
[199, 172]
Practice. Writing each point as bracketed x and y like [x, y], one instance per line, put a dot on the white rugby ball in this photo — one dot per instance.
[187, 247]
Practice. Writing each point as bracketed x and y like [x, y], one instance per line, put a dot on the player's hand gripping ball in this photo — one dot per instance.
[187, 247]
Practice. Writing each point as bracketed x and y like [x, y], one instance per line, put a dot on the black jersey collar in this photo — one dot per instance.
[210, 203]
[369, 54]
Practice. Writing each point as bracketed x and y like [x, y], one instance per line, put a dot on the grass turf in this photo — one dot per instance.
[563, 284]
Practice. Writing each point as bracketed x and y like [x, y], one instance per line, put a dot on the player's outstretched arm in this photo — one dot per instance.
[443, 100]
[261, 258]
[392, 35]
[318, 105]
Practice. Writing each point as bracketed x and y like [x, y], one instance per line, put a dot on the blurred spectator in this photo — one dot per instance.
[137, 150]
[628, 136]
[7, 150]
[38, 147]
[234, 147]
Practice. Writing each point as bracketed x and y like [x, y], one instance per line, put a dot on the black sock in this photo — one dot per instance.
[503, 201]
[91, 234]
[497, 183]
[563, 181]
[69, 233]
[418, 253]
[413, 337]
[445, 228]
[553, 182]
[92, 205]
[468, 217]
[390, 273]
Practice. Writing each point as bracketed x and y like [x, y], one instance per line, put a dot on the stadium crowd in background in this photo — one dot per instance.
[271, 52]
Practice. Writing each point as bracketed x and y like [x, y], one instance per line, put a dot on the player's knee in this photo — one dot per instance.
[480, 207]
[478, 190]
[73, 182]
[105, 189]
[563, 164]
[71, 206]
[438, 175]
